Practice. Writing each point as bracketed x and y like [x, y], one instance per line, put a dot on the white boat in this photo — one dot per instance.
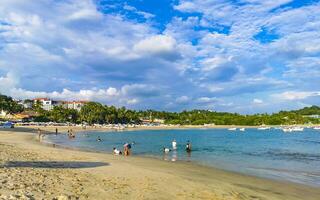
[287, 130]
[316, 128]
[232, 129]
[297, 128]
[264, 128]
[293, 129]
[242, 129]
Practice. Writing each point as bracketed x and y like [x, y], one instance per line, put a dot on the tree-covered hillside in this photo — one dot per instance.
[93, 112]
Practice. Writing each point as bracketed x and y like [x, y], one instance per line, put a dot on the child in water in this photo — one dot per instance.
[188, 146]
[166, 150]
[116, 151]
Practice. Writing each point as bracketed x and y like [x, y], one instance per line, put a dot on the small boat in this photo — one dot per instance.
[316, 128]
[232, 129]
[297, 128]
[242, 129]
[287, 130]
[264, 128]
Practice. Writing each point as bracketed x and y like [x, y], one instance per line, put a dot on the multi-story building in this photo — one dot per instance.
[48, 104]
[77, 105]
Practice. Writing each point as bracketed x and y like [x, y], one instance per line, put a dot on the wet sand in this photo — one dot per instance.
[30, 170]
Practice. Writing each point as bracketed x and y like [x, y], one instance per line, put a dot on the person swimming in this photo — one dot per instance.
[99, 139]
[174, 144]
[188, 146]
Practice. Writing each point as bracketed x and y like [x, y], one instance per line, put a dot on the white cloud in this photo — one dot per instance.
[112, 91]
[162, 45]
[7, 82]
[207, 99]
[212, 63]
[257, 101]
[297, 95]
[227, 50]
[182, 99]
[146, 15]
[127, 94]
[132, 101]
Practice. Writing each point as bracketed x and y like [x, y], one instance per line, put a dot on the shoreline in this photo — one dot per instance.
[51, 129]
[159, 158]
[217, 183]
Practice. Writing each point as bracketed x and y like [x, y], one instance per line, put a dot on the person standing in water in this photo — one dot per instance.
[174, 144]
[126, 149]
[39, 134]
[188, 146]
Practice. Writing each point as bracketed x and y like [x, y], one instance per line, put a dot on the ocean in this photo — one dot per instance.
[270, 154]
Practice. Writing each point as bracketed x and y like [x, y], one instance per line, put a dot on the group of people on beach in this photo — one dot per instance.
[174, 147]
[127, 148]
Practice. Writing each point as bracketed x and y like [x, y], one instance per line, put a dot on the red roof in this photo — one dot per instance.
[39, 99]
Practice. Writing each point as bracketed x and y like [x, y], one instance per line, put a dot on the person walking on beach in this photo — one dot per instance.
[56, 131]
[188, 146]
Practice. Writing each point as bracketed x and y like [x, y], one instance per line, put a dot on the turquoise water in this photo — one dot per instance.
[266, 153]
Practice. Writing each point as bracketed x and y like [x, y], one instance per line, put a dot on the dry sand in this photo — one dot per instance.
[30, 170]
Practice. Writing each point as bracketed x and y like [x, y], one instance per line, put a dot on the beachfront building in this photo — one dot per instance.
[151, 122]
[47, 104]
[77, 105]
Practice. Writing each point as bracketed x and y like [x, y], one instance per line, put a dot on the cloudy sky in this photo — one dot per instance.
[244, 56]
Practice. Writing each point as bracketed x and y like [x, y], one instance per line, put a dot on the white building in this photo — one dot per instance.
[77, 105]
[48, 104]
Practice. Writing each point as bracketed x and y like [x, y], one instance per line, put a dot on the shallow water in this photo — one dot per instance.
[266, 153]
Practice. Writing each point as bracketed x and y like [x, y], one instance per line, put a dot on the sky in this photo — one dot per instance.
[245, 56]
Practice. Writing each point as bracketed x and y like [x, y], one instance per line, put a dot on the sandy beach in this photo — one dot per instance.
[31, 170]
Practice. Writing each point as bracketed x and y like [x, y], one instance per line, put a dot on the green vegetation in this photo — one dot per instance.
[8, 105]
[57, 114]
[200, 117]
[93, 113]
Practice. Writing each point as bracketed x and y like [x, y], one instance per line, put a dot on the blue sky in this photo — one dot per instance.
[244, 56]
